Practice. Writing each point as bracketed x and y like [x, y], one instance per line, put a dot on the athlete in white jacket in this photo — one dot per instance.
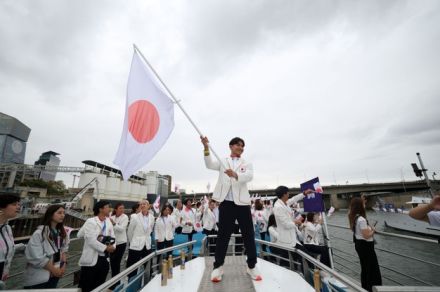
[94, 262]
[139, 235]
[120, 223]
[232, 193]
[210, 225]
[164, 228]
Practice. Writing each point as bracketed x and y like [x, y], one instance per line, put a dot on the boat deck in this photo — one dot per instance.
[196, 278]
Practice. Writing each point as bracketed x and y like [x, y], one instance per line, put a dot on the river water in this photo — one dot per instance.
[410, 262]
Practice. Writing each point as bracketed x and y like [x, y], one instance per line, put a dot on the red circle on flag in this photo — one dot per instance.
[143, 121]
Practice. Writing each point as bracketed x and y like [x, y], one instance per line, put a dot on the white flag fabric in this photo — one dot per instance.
[149, 118]
[156, 204]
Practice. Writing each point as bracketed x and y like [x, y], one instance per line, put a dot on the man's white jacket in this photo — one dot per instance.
[164, 228]
[139, 235]
[286, 226]
[240, 191]
[91, 229]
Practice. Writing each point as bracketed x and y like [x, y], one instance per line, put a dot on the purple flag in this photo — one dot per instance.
[313, 202]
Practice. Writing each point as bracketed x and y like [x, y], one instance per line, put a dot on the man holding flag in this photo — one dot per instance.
[232, 193]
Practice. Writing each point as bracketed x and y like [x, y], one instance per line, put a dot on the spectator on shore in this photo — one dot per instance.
[46, 251]
[120, 223]
[9, 208]
[429, 213]
[363, 237]
[98, 244]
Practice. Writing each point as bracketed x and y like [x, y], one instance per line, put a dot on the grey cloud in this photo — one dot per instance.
[226, 33]
[47, 45]
[419, 121]
[328, 88]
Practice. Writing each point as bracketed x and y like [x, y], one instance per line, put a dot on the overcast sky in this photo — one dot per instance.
[343, 90]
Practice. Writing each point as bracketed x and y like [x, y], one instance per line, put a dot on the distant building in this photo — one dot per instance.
[168, 177]
[13, 137]
[48, 158]
[157, 184]
[111, 186]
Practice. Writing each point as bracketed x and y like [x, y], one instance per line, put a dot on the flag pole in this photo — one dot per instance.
[327, 240]
[178, 103]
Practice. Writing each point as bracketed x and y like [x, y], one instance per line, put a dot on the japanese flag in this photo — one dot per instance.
[149, 118]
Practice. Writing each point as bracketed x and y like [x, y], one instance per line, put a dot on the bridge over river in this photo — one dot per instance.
[339, 196]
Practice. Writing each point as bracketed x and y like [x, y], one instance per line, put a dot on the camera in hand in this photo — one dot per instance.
[56, 257]
[106, 239]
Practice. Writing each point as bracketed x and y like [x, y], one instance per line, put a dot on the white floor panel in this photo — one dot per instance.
[279, 279]
[275, 279]
[183, 280]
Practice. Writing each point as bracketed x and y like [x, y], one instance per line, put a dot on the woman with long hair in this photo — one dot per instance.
[120, 223]
[363, 237]
[46, 251]
[9, 208]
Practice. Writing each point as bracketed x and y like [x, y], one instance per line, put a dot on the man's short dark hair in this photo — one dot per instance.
[8, 198]
[281, 191]
[185, 201]
[236, 141]
[99, 205]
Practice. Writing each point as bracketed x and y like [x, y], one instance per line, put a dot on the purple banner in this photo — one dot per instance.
[313, 202]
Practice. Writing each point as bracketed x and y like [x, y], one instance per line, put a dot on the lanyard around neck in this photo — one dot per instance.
[3, 227]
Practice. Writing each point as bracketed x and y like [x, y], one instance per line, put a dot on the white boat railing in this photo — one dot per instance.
[392, 234]
[344, 256]
[148, 260]
[405, 289]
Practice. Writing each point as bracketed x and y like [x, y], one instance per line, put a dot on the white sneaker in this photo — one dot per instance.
[217, 274]
[254, 273]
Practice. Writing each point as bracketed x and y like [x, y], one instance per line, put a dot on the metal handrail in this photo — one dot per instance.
[70, 256]
[404, 289]
[392, 234]
[392, 252]
[134, 267]
[318, 264]
[393, 270]
[356, 268]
